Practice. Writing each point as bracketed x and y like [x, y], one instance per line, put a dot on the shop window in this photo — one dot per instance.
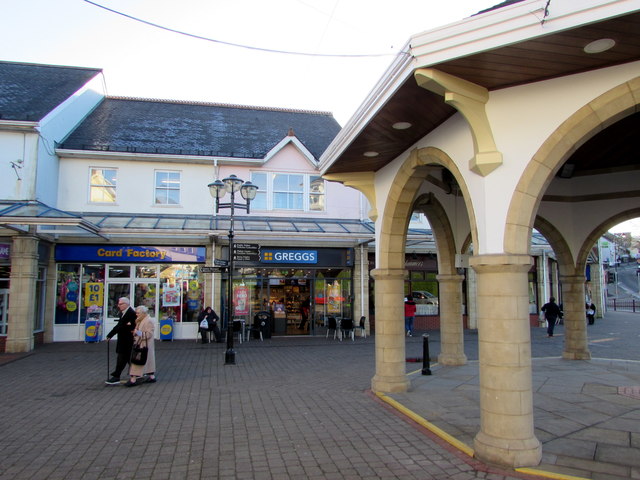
[167, 188]
[92, 287]
[102, 185]
[146, 271]
[67, 295]
[119, 271]
[181, 293]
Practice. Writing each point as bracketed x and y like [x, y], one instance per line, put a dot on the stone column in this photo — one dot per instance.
[50, 297]
[472, 309]
[361, 285]
[575, 325]
[390, 374]
[22, 290]
[451, 327]
[506, 434]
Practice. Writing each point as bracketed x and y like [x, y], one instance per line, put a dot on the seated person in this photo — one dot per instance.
[208, 322]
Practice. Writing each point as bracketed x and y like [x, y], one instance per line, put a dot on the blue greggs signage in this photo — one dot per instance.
[129, 254]
[289, 256]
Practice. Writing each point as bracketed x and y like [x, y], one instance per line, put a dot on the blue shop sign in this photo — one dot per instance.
[289, 256]
[129, 254]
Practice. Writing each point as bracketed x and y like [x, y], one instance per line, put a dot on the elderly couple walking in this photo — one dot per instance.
[135, 327]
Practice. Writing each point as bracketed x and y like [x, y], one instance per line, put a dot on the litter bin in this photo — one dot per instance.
[166, 329]
[262, 320]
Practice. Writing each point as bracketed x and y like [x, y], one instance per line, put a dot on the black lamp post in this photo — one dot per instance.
[218, 190]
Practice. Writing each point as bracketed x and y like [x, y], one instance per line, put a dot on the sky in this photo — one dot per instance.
[140, 60]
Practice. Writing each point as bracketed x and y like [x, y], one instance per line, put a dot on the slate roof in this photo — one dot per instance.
[28, 92]
[190, 128]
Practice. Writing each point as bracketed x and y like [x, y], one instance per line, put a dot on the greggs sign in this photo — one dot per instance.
[289, 256]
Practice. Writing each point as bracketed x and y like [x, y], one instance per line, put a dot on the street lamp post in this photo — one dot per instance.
[218, 190]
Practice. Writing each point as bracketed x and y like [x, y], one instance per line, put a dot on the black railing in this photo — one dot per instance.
[626, 305]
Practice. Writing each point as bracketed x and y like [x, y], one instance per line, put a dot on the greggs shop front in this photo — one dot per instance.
[300, 287]
[286, 282]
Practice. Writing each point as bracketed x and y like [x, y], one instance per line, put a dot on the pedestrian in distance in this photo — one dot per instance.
[123, 330]
[591, 313]
[409, 314]
[552, 314]
[143, 335]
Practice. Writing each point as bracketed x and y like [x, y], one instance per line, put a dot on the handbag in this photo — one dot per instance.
[139, 353]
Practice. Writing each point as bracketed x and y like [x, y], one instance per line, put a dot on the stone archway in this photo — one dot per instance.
[389, 273]
[450, 282]
[604, 110]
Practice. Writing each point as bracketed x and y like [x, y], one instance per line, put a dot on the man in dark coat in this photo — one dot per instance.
[124, 329]
[551, 312]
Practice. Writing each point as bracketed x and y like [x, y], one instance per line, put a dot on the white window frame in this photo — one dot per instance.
[306, 192]
[103, 186]
[167, 189]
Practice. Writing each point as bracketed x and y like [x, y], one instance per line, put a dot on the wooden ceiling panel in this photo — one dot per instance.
[545, 57]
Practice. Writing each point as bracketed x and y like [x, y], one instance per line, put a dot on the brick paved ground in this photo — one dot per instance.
[290, 409]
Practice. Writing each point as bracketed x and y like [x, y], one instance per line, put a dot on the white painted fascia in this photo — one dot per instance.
[156, 157]
[295, 142]
[19, 126]
[509, 25]
[393, 78]
[493, 29]
[93, 90]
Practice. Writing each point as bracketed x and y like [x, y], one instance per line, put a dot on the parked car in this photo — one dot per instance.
[424, 297]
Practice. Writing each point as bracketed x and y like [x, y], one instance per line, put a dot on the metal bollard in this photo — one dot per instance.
[425, 355]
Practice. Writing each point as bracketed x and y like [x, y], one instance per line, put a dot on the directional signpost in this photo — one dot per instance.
[246, 252]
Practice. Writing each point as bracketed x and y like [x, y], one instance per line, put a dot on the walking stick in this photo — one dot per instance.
[108, 360]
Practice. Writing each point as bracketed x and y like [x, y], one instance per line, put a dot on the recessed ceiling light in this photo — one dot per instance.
[599, 46]
[371, 154]
[402, 125]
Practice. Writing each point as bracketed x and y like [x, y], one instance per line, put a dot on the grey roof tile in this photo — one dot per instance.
[192, 128]
[28, 92]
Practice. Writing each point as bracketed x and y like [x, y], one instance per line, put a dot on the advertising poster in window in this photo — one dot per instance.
[241, 300]
[335, 300]
[93, 294]
[171, 295]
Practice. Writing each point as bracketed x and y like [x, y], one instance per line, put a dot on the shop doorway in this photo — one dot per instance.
[139, 293]
[290, 305]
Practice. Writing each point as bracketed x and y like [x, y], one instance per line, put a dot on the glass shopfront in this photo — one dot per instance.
[90, 289]
[300, 288]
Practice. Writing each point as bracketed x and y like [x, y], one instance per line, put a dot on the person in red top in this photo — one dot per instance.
[409, 314]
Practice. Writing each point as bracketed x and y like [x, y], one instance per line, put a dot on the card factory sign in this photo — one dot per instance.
[129, 253]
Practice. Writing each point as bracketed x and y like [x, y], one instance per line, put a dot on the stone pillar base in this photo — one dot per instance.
[452, 359]
[387, 384]
[577, 355]
[18, 345]
[513, 453]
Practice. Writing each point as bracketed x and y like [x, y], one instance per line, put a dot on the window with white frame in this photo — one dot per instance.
[316, 193]
[288, 191]
[167, 188]
[102, 185]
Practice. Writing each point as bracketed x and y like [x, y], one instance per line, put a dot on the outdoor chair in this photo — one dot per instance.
[346, 328]
[332, 324]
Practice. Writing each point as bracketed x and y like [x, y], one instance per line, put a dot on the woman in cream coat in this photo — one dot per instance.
[144, 331]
